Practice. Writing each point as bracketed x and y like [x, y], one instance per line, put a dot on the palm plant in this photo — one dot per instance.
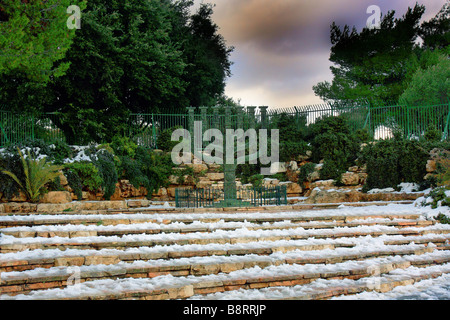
[37, 174]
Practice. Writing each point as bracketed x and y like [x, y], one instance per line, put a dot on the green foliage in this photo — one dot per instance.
[439, 195]
[149, 169]
[443, 218]
[305, 171]
[107, 171]
[123, 146]
[88, 174]
[56, 151]
[128, 57]
[34, 38]
[370, 64]
[391, 162]
[37, 174]
[165, 142]
[335, 144]
[430, 85]
[256, 180]
[432, 134]
[11, 162]
[74, 182]
[290, 150]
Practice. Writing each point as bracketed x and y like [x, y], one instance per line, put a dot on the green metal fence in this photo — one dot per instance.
[16, 128]
[211, 197]
[379, 121]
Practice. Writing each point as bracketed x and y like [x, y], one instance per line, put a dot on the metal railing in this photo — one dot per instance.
[211, 197]
[379, 121]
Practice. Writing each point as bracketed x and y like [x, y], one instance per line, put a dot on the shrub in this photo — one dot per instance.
[123, 146]
[37, 174]
[74, 182]
[107, 171]
[12, 163]
[305, 171]
[289, 150]
[256, 180]
[56, 151]
[336, 145]
[391, 162]
[149, 169]
[87, 173]
[432, 134]
[164, 141]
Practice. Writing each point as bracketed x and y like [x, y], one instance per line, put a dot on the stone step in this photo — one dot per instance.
[220, 237]
[169, 287]
[257, 218]
[72, 257]
[107, 267]
[73, 231]
[340, 289]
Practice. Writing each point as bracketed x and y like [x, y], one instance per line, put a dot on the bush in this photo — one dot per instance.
[256, 180]
[13, 163]
[391, 162]
[336, 145]
[164, 141]
[74, 182]
[432, 134]
[123, 146]
[36, 174]
[149, 169]
[305, 171]
[87, 173]
[289, 150]
[107, 171]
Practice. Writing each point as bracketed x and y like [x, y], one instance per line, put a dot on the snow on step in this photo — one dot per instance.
[182, 255]
[250, 278]
[397, 284]
[12, 244]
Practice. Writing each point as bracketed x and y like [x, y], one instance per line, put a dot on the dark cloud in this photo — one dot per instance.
[282, 47]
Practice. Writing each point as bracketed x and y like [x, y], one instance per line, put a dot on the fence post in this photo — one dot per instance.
[263, 116]
[191, 120]
[252, 120]
[447, 125]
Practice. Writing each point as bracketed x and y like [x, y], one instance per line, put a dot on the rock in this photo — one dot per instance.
[63, 180]
[215, 176]
[278, 167]
[323, 184]
[362, 177]
[334, 196]
[20, 197]
[313, 176]
[173, 179]
[353, 169]
[57, 197]
[350, 179]
[294, 189]
[293, 165]
[431, 166]
[202, 184]
[13, 207]
[198, 167]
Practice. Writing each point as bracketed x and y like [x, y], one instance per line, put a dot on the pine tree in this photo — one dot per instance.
[34, 38]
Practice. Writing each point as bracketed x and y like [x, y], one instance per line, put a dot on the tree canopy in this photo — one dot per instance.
[128, 57]
[378, 64]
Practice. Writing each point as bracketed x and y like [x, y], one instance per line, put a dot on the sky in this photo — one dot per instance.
[282, 47]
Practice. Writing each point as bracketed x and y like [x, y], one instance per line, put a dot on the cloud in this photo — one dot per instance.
[282, 47]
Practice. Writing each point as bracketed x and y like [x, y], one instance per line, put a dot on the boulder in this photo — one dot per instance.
[57, 197]
[431, 166]
[350, 179]
[215, 176]
[198, 167]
